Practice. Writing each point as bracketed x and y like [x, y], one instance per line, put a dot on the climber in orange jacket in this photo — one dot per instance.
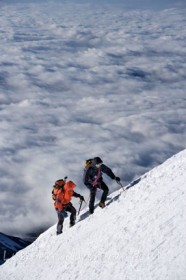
[62, 193]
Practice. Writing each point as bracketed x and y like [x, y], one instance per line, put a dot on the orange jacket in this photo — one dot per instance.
[63, 195]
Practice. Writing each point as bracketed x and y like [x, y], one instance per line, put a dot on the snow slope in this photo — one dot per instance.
[139, 235]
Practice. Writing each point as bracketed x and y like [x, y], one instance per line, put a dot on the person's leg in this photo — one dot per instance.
[104, 195]
[60, 222]
[92, 199]
[70, 208]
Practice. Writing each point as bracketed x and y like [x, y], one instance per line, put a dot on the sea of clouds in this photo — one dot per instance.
[78, 80]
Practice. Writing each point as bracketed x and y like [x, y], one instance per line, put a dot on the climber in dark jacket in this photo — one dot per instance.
[93, 179]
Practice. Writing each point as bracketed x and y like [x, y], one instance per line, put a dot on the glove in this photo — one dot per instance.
[117, 179]
[82, 198]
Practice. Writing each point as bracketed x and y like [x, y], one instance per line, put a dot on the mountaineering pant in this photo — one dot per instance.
[93, 190]
[69, 208]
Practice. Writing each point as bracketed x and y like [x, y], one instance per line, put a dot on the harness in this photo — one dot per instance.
[94, 182]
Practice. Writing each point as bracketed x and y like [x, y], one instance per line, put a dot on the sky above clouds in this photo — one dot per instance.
[79, 80]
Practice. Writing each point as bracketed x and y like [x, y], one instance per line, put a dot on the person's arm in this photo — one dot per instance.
[78, 195]
[105, 169]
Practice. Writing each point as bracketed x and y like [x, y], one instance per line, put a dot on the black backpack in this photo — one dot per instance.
[87, 164]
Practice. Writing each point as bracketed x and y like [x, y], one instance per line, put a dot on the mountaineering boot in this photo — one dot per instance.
[59, 228]
[102, 204]
[72, 224]
[91, 211]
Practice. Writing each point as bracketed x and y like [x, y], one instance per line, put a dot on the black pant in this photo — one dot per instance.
[93, 190]
[69, 208]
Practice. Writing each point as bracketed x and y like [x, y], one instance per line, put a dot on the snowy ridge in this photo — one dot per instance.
[141, 235]
[6, 241]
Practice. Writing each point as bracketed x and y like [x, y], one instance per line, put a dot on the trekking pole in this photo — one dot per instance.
[81, 202]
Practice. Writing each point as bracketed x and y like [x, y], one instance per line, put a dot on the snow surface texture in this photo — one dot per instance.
[84, 80]
[140, 235]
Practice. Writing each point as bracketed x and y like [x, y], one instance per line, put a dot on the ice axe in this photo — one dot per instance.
[81, 202]
[119, 183]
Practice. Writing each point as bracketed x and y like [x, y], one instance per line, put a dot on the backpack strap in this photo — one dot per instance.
[96, 180]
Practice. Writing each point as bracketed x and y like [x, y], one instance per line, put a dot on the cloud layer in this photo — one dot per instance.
[82, 80]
